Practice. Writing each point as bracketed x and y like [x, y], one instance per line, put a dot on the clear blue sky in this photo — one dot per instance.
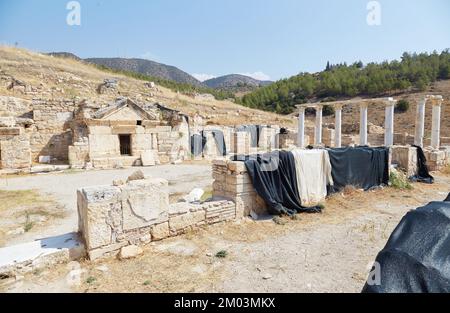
[279, 38]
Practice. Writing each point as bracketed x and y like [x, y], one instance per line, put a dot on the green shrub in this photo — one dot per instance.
[221, 254]
[402, 106]
[398, 180]
[328, 110]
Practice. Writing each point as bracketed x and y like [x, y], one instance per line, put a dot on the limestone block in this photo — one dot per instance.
[237, 166]
[130, 252]
[149, 157]
[100, 130]
[94, 208]
[180, 223]
[160, 231]
[144, 203]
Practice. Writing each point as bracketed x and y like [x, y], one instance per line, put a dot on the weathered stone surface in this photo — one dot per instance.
[144, 203]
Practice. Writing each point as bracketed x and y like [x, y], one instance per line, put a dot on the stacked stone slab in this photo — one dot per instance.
[138, 212]
[231, 181]
[436, 159]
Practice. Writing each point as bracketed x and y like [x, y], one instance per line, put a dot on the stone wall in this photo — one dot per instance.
[51, 135]
[138, 212]
[15, 148]
[231, 181]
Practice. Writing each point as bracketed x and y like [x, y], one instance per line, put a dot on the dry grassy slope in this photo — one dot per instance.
[67, 78]
[404, 122]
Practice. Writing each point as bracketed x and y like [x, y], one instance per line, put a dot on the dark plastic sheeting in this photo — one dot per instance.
[416, 258]
[274, 178]
[198, 142]
[423, 175]
[361, 167]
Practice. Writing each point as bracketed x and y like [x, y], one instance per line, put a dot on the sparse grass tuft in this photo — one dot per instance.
[398, 180]
[28, 225]
[91, 280]
[221, 254]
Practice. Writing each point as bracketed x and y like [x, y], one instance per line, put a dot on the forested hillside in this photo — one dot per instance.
[413, 72]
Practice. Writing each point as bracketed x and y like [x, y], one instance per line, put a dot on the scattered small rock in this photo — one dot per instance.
[267, 276]
[138, 175]
[130, 252]
[102, 268]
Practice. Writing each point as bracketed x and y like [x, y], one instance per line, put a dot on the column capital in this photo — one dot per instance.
[318, 106]
[363, 105]
[338, 106]
[390, 102]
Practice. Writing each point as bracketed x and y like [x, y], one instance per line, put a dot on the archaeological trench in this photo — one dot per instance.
[114, 220]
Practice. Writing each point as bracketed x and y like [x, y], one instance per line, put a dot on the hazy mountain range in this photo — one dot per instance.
[233, 82]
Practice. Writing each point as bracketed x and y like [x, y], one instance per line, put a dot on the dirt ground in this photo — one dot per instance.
[327, 252]
[54, 196]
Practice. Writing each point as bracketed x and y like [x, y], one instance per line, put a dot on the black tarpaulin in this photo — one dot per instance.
[423, 175]
[254, 130]
[198, 143]
[361, 167]
[220, 141]
[416, 258]
[448, 198]
[274, 178]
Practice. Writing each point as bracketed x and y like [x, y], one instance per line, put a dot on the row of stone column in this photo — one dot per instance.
[436, 102]
[363, 131]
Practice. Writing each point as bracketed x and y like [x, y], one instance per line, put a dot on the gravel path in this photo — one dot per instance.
[63, 186]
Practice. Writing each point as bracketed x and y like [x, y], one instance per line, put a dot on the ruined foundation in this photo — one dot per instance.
[138, 212]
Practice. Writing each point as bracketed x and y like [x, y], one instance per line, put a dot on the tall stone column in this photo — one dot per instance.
[301, 128]
[389, 123]
[420, 123]
[436, 121]
[338, 126]
[318, 128]
[363, 124]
